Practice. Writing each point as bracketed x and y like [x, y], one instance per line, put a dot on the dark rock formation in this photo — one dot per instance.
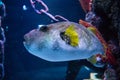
[109, 11]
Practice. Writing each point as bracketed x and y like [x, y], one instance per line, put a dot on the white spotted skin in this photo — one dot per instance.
[49, 45]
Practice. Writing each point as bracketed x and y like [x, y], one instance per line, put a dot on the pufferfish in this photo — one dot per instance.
[62, 41]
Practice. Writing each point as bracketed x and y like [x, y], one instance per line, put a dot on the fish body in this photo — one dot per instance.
[49, 45]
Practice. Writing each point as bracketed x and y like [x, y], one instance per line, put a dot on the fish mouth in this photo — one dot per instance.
[25, 45]
[24, 41]
[25, 38]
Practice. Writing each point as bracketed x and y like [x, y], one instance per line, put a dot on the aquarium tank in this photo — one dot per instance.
[59, 40]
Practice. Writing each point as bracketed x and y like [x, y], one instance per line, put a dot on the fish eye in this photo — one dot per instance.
[43, 28]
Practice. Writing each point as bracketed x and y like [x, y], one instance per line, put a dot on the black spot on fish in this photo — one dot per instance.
[65, 38]
[44, 28]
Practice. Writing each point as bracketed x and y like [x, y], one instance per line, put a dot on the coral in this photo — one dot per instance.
[109, 11]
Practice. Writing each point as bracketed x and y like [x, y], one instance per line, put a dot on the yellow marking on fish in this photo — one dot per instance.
[71, 32]
[92, 29]
[92, 59]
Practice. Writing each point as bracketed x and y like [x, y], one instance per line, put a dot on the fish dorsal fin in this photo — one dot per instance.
[73, 35]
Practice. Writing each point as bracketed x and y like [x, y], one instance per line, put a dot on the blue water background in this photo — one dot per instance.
[19, 64]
